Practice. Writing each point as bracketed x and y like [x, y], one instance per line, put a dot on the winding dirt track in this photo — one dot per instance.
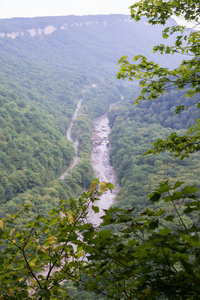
[69, 131]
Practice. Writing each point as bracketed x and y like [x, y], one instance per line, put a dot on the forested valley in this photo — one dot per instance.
[43, 76]
[47, 65]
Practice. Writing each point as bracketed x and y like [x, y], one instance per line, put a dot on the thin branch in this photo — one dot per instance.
[179, 216]
[34, 276]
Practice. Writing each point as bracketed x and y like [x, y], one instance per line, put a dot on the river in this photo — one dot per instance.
[99, 159]
[102, 166]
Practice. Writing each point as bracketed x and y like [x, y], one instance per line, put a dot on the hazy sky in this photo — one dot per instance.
[33, 8]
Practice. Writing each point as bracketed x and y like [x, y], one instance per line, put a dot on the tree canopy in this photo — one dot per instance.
[153, 256]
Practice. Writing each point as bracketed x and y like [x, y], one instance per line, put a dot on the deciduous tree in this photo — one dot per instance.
[155, 80]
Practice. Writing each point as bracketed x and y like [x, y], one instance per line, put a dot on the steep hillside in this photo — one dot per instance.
[87, 43]
[134, 128]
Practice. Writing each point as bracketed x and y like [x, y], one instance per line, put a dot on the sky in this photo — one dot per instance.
[34, 8]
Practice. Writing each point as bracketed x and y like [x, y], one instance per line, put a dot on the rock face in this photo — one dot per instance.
[70, 21]
[49, 29]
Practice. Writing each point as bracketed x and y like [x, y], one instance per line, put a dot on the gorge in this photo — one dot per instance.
[42, 79]
[55, 120]
[100, 160]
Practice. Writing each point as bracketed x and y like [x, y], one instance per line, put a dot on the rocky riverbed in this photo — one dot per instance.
[102, 166]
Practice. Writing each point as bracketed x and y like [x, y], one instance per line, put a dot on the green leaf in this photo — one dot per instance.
[95, 209]
[164, 231]
[105, 233]
[170, 218]
[178, 184]
[164, 187]
[131, 209]
[39, 218]
[153, 225]
[177, 195]
[155, 197]
[179, 108]
[190, 189]
[110, 186]
[44, 293]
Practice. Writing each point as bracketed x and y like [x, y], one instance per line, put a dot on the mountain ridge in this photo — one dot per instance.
[69, 21]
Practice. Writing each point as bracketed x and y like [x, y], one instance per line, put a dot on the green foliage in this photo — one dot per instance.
[42, 79]
[155, 80]
[98, 99]
[163, 111]
[158, 12]
[154, 255]
[36, 259]
[44, 198]
[146, 259]
[132, 133]
[33, 150]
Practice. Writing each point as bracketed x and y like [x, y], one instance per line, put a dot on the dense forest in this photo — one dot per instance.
[134, 128]
[46, 63]
[146, 246]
